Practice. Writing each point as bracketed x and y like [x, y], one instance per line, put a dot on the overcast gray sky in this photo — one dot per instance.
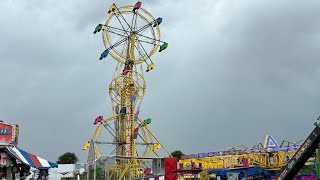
[233, 72]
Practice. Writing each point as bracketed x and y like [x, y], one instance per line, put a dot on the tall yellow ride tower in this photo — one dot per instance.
[122, 145]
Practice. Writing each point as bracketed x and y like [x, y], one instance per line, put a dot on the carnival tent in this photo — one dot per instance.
[30, 159]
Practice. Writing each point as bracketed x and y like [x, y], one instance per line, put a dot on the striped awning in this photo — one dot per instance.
[30, 159]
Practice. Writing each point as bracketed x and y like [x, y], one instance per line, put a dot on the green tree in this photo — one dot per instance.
[67, 158]
[177, 154]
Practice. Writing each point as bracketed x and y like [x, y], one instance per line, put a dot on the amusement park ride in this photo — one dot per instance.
[268, 161]
[122, 144]
[269, 155]
[267, 158]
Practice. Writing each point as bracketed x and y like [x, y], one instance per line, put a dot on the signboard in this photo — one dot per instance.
[6, 133]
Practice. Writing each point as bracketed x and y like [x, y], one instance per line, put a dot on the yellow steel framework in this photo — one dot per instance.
[274, 160]
[131, 35]
[266, 160]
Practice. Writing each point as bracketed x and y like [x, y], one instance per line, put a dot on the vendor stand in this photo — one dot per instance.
[15, 162]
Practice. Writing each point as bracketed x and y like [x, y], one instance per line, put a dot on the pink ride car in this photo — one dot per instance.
[98, 119]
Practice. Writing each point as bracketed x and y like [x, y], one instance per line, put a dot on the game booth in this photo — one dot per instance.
[15, 162]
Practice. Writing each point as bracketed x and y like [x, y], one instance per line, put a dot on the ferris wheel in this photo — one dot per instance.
[131, 36]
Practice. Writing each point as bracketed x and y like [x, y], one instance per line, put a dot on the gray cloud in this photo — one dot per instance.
[233, 72]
